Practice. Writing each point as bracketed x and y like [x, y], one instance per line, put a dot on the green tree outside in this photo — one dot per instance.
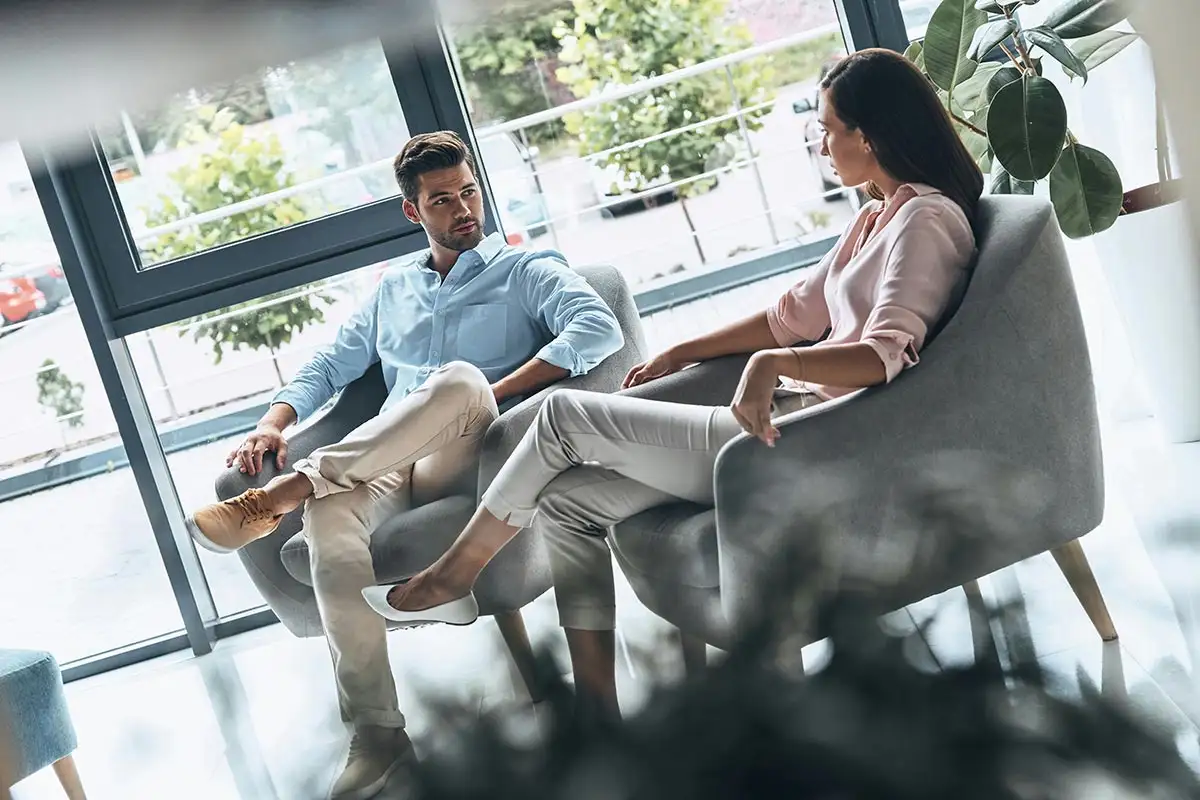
[233, 167]
[508, 66]
[615, 43]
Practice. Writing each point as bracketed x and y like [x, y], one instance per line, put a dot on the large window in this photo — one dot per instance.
[703, 157]
[286, 144]
[84, 551]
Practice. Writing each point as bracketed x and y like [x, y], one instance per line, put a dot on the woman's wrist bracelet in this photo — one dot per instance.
[799, 361]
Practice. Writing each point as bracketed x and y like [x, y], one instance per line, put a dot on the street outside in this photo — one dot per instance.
[179, 377]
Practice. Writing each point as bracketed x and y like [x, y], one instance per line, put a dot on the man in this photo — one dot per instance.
[465, 328]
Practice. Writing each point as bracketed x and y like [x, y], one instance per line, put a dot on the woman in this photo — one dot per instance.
[592, 460]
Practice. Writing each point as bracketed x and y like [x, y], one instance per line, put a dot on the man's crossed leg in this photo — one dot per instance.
[423, 448]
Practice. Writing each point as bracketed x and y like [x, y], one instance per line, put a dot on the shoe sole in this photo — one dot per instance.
[199, 538]
[462, 611]
[372, 790]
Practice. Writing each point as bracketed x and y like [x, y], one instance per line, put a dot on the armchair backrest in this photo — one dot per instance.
[1007, 382]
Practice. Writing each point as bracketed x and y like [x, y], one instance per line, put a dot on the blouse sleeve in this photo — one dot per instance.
[802, 314]
[923, 266]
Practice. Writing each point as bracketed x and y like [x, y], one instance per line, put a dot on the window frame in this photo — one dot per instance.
[136, 299]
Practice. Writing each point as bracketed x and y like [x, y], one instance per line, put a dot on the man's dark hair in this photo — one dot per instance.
[427, 152]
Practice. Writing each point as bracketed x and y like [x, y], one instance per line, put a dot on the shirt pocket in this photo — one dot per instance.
[483, 333]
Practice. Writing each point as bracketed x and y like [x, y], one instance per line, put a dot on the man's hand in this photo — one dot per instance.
[249, 455]
[752, 401]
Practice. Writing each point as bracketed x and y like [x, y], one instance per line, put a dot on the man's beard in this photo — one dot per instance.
[457, 242]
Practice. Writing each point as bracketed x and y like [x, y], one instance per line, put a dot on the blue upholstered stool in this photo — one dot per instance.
[35, 728]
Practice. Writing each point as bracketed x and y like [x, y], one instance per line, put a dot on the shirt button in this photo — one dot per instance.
[435, 355]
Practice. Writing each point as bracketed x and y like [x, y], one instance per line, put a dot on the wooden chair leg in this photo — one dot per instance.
[68, 776]
[695, 653]
[516, 637]
[1075, 568]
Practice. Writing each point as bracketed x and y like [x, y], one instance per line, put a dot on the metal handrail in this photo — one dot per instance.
[540, 117]
[658, 81]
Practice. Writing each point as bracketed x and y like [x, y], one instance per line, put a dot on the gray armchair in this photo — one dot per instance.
[1004, 393]
[279, 564]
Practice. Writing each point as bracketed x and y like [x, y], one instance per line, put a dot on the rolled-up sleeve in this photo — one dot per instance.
[802, 314]
[920, 273]
[585, 329]
[335, 366]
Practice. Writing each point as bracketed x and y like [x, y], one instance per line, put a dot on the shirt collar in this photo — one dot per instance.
[491, 246]
[921, 189]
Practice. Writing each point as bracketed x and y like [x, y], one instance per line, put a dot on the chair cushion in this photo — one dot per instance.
[672, 544]
[402, 546]
[35, 727]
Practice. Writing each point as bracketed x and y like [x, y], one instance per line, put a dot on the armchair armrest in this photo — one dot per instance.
[710, 383]
[896, 493]
[358, 402]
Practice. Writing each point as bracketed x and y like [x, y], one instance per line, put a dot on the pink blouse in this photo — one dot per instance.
[886, 282]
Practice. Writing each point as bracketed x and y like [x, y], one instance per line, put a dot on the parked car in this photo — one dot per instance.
[515, 186]
[19, 300]
[39, 263]
[812, 135]
[613, 189]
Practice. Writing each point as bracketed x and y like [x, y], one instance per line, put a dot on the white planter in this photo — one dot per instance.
[1151, 266]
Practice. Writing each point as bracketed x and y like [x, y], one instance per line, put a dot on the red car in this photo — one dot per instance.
[20, 299]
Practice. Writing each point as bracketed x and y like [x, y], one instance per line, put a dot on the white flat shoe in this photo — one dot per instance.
[462, 611]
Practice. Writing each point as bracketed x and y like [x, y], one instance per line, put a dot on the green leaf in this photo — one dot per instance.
[1057, 49]
[1094, 50]
[1085, 188]
[916, 54]
[1074, 19]
[977, 146]
[1003, 183]
[1002, 77]
[1027, 126]
[991, 35]
[972, 93]
[948, 39]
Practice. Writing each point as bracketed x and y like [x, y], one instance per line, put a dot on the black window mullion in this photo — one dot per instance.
[872, 23]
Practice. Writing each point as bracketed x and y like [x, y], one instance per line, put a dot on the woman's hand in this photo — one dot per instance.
[752, 402]
[660, 366]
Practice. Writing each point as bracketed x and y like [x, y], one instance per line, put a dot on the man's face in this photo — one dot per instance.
[450, 208]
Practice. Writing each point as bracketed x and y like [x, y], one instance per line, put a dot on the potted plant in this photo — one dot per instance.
[1013, 119]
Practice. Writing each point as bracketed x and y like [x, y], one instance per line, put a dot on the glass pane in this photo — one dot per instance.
[79, 569]
[209, 379]
[681, 176]
[289, 143]
[916, 16]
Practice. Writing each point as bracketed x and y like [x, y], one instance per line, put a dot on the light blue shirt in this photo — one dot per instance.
[497, 308]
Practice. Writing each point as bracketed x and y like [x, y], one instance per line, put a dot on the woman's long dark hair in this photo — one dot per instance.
[882, 94]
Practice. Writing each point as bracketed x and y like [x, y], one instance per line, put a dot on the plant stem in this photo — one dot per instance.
[1024, 51]
[1013, 58]
[968, 125]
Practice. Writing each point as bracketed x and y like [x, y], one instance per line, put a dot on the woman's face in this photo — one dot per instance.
[848, 150]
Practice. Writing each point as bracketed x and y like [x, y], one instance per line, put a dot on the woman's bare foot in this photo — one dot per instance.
[425, 590]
